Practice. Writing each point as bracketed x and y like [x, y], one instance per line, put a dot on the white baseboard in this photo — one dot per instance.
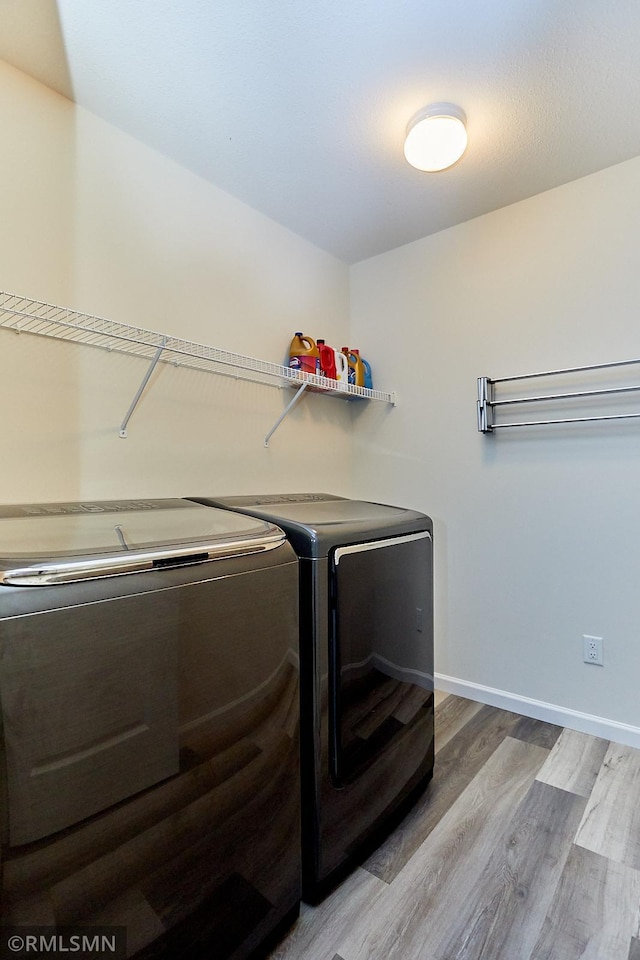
[539, 710]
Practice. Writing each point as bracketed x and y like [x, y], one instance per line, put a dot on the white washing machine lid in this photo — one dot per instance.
[41, 544]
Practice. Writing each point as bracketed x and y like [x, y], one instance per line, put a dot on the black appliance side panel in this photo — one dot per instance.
[206, 861]
[313, 709]
[381, 650]
[376, 628]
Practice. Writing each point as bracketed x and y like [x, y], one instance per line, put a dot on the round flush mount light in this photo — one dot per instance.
[436, 137]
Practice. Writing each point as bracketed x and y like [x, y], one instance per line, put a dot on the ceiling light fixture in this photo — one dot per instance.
[436, 137]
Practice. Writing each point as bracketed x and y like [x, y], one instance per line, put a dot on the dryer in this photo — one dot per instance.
[366, 657]
[149, 696]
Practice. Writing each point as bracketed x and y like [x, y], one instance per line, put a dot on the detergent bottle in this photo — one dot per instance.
[368, 379]
[304, 354]
[327, 360]
[356, 366]
[342, 367]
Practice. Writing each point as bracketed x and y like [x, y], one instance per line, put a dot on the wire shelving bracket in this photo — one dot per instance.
[45, 319]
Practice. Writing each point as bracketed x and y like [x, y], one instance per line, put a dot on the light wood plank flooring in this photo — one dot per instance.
[525, 846]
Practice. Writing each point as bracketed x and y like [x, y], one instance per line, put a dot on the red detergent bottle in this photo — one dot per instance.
[327, 360]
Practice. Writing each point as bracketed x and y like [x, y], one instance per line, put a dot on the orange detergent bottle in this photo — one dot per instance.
[356, 366]
[304, 354]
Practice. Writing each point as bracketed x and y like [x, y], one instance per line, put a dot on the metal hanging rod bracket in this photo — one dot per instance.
[544, 423]
[563, 370]
[485, 404]
[608, 391]
[487, 401]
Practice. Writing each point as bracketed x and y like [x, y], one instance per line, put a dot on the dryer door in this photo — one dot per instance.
[381, 648]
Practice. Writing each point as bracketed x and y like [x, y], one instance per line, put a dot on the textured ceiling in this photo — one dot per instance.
[299, 107]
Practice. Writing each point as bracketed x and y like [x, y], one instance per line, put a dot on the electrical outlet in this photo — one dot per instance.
[592, 649]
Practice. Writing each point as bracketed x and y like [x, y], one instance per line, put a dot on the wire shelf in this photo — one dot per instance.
[25, 315]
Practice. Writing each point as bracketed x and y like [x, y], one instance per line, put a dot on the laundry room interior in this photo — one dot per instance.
[134, 206]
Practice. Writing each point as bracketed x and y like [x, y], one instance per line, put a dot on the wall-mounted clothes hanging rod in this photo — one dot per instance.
[45, 319]
[488, 402]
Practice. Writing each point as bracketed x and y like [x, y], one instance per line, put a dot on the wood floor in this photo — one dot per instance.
[525, 846]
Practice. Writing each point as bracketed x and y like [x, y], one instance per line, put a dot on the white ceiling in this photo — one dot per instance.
[299, 107]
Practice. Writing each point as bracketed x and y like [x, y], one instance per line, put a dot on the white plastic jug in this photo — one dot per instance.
[342, 367]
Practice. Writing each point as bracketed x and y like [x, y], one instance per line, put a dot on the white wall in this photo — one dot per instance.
[94, 220]
[537, 532]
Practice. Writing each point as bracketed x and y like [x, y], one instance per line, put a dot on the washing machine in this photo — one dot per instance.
[150, 726]
[366, 658]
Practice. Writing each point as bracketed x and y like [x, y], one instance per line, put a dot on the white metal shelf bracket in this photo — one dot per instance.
[145, 380]
[285, 413]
